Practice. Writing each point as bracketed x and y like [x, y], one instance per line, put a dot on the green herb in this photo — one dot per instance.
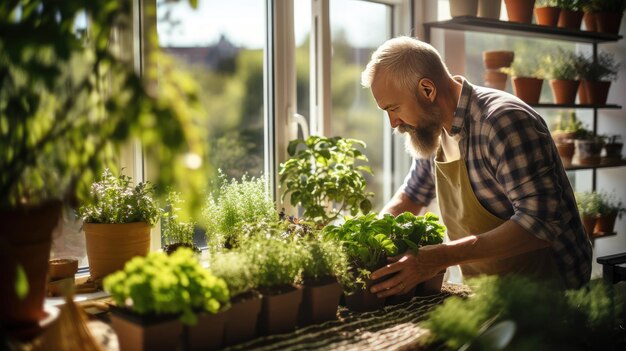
[323, 258]
[162, 284]
[324, 178]
[114, 199]
[562, 64]
[173, 230]
[279, 262]
[236, 269]
[604, 68]
[588, 203]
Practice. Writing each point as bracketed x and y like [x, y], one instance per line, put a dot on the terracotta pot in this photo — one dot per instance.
[589, 222]
[242, 318]
[489, 8]
[605, 224]
[61, 268]
[596, 93]
[583, 99]
[430, 287]
[613, 153]
[588, 152]
[589, 19]
[497, 58]
[110, 246]
[527, 89]
[566, 152]
[279, 312]
[520, 10]
[25, 240]
[608, 22]
[463, 8]
[319, 301]
[362, 300]
[138, 333]
[495, 79]
[570, 19]
[208, 334]
[547, 16]
[564, 91]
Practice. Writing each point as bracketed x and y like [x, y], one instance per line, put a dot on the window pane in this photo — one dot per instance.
[222, 43]
[354, 111]
[302, 32]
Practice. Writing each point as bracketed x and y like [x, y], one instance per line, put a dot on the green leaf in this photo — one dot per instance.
[21, 282]
[293, 145]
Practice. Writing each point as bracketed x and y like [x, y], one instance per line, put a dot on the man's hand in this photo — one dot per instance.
[410, 269]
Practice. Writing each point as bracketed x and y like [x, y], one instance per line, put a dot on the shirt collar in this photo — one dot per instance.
[462, 106]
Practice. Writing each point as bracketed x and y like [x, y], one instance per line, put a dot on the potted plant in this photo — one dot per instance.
[609, 209]
[588, 148]
[588, 204]
[241, 277]
[154, 294]
[234, 205]
[279, 263]
[562, 69]
[596, 76]
[564, 134]
[527, 77]
[571, 15]
[70, 98]
[117, 221]
[613, 149]
[493, 61]
[175, 232]
[604, 16]
[547, 12]
[520, 10]
[325, 179]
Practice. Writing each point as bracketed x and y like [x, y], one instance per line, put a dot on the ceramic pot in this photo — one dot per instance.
[605, 224]
[61, 268]
[279, 311]
[583, 99]
[319, 301]
[608, 22]
[566, 152]
[570, 19]
[140, 333]
[463, 8]
[564, 90]
[242, 318]
[25, 240]
[489, 9]
[208, 334]
[528, 89]
[589, 19]
[520, 10]
[362, 300]
[495, 79]
[110, 246]
[547, 16]
[589, 222]
[596, 93]
[495, 59]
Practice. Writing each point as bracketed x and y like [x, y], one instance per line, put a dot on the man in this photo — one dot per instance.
[502, 190]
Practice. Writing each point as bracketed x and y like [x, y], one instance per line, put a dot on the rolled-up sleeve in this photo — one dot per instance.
[523, 158]
[419, 184]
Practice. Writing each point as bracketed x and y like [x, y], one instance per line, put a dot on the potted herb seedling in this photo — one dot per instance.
[604, 16]
[596, 76]
[527, 76]
[613, 149]
[562, 70]
[588, 148]
[241, 277]
[70, 99]
[564, 134]
[117, 221]
[279, 265]
[325, 178]
[175, 232]
[609, 209]
[547, 12]
[154, 294]
[588, 204]
[571, 15]
[235, 205]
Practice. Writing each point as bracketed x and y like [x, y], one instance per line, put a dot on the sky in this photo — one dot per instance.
[244, 22]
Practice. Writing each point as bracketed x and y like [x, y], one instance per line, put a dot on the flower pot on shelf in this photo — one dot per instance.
[495, 79]
[463, 8]
[583, 99]
[570, 19]
[605, 224]
[25, 240]
[320, 300]
[608, 22]
[589, 222]
[489, 8]
[566, 152]
[61, 268]
[495, 59]
[564, 90]
[595, 93]
[279, 311]
[242, 317]
[547, 15]
[588, 152]
[528, 89]
[208, 333]
[589, 19]
[520, 10]
[613, 153]
[146, 333]
[110, 246]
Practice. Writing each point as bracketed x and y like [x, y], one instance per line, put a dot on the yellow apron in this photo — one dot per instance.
[464, 215]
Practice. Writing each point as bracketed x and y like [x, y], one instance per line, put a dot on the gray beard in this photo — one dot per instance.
[421, 142]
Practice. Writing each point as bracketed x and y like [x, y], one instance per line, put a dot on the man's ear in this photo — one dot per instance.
[427, 89]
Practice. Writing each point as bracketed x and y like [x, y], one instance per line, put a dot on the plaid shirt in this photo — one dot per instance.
[516, 173]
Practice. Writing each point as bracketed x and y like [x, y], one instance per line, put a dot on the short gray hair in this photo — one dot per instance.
[406, 60]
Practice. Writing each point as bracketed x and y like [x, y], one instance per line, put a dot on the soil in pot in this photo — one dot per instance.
[547, 16]
[279, 309]
[319, 301]
[242, 318]
[146, 333]
[208, 334]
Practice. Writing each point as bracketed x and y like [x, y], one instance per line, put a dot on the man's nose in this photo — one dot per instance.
[394, 121]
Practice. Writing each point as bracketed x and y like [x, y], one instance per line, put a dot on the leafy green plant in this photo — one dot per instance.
[546, 3]
[114, 199]
[572, 5]
[609, 205]
[161, 284]
[588, 203]
[617, 6]
[174, 231]
[324, 178]
[237, 270]
[562, 64]
[234, 206]
[323, 258]
[545, 318]
[71, 97]
[605, 68]
[571, 124]
[368, 240]
[279, 262]
[525, 66]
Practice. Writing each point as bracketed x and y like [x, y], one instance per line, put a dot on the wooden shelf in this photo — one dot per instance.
[608, 165]
[487, 25]
[602, 235]
[548, 105]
